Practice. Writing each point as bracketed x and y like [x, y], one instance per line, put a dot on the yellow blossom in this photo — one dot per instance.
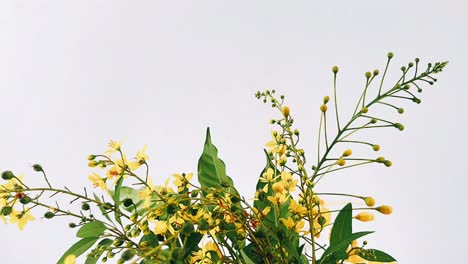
[120, 166]
[288, 182]
[296, 208]
[181, 181]
[114, 146]
[267, 177]
[160, 227]
[278, 199]
[278, 187]
[21, 218]
[98, 181]
[295, 226]
[141, 155]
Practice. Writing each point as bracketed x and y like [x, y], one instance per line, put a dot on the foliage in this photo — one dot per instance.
[209, 221]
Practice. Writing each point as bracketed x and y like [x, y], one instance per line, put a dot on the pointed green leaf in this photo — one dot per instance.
[191, 244]
[78, 248]
[246, 258]
[211, 169]
[375, 255]
[118, 187]
[91, 229]
[342, 227]
[341, 246]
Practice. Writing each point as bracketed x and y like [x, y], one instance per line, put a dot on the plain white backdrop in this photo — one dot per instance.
[75, 74]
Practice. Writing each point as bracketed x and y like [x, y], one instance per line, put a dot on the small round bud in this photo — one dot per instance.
[285, 110]
[406, 87]
[376, 147]
[127, 202]
[49, 215]
[322, 221]
[403, 68]
[380, 159]
[341, 162]
[25, 200]
[364, 110]
[37, 167]
[384, 209]
[401, 110]
[323, 108]
[364, 217]
[373, 121]
[326, 99]
[368, 75]
[7, 175]
[187, 228]
[387, 163]
[296, 132]
[335, 69]
[72, 225]
[278, 187]
[369, 201]
[203, 225]
[118, 242]
[416, 60]
[85, 206]
[376, 72]
[347, 153]
[410, 65]
[91, 157]
[390, 55]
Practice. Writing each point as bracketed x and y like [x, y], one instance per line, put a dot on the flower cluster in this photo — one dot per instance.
[205, 220]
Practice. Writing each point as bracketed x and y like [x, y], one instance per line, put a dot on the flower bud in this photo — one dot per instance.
[369, 201]
[128, 254]
[38, 168]
[187, 228]
[91, 157]
[384, 209]
[335, 69]
[364, 217]
[341, 162]
[7, 175]
[93, 163]
[85, 206]
[7, 210]
[387, 163]
[376, 72]
[127, 202]
[25, 200]
[390, 55]
[49, 215]
[368, 75]
[364, 110]
[323, 108]
[171, 208]
[285, 110]
[72, 225]
[401, 110]
[347, 153]
[326, 99]
[376, 147]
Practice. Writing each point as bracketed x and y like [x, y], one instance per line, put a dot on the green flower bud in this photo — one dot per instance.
[7, 175]
[322, 220]
[376, 147]
[368, 75]
[37, 167]
[203, 225]
[364, 110]
[401, 110]
[127, 202]
[118, 242]
[85, 206]
[91, 157]
[235, 199]
[390, 55]
[72, 225]
[7, 210]
[49, 215]
[376, 72]
[187, 228]
[25, 200]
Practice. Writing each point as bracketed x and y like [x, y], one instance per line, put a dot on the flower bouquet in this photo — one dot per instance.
[206, 220]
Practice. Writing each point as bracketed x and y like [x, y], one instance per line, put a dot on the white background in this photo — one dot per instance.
[75, 74]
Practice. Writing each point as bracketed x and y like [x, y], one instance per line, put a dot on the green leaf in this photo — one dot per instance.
[93, 259]
[375, 255]
[118, 187]
[101, 208]
[91, 229]
[211, 169]
[191, 243]
[127, 192]
[341, 246]
[342, 227]
[78, 248]
[246, 258]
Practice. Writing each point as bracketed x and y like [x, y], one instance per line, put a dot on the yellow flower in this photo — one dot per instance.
[295, 226]
[181, 181]
[278, 199]
[296, 208]
[160, 227]
[98, 181]
[278, 187]
[203, 256]
[21, 218]
[267, 176]
[141, 155]
[70, 259]
[288, 182]
[120, 166]
[114, 146]
[146, 194]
